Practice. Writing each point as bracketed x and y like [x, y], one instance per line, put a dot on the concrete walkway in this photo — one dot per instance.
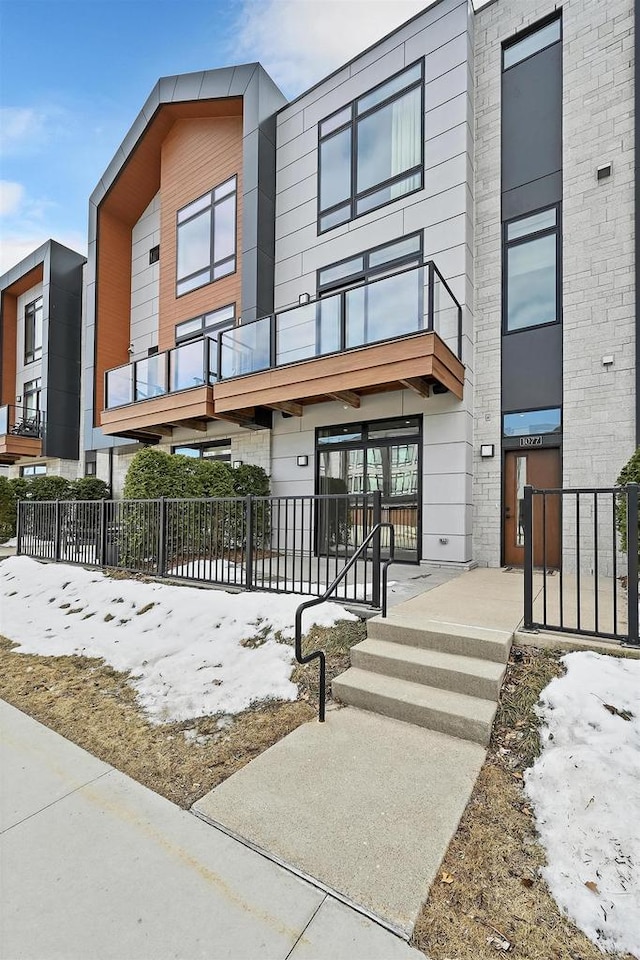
[95, 865]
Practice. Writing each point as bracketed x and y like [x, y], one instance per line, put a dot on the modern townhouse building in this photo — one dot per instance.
[40, 350]
[417, 278]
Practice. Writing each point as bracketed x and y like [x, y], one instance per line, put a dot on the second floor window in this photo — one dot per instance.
[33, 331]
[371, 151]
[207, 238]
[532, 275]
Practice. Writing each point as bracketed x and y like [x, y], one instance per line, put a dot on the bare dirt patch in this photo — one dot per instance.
[94, 706]
[488, 899]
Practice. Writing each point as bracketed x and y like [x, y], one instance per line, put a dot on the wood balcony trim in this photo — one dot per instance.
[13, 447]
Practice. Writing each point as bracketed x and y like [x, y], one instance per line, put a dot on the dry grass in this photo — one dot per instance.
[92, 705]
[495, 894]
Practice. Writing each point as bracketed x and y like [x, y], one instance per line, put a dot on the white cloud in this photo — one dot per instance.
[21, 127]
[15, 246]
[300, 41]
[11, 197]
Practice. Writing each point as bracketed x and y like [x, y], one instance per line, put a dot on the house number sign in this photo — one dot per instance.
[531, 441]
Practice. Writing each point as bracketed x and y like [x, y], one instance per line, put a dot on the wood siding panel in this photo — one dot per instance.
[173, 407]
[370, 367]
[13, 448]
[197, 155]
[9, 347]
[113, 299]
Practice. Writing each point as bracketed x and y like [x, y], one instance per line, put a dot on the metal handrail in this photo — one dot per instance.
[319, 654]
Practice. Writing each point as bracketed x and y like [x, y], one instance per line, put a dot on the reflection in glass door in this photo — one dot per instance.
[366, 458]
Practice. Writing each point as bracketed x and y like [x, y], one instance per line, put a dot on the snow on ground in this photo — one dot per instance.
[585, 790]
[11, 542]
[191, 652]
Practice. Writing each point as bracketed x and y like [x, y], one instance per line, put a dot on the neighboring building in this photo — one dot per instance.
[40, 337]
[418, 277]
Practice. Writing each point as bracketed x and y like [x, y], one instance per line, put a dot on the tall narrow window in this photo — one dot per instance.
[372, 151]
[531, 271]
[33, 331]
[207, 238]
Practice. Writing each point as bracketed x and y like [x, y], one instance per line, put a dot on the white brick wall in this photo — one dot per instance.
[598, 250]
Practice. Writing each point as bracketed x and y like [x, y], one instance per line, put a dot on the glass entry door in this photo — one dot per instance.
[382, 457]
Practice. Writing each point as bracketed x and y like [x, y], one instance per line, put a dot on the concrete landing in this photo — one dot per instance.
[95, 865]
[363, 803]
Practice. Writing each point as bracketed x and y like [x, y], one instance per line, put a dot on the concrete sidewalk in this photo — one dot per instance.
[95, 865]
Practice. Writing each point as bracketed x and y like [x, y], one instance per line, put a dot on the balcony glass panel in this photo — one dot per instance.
[385, 309]
[246, 348]
[308, 331]
[186, 366]
[445, 314]
[120, 386]
[151, 377]
[4, 420]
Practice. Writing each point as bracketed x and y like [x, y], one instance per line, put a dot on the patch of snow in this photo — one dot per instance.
[11, 542]
[585, 791]
[213, 570]
[191, 652]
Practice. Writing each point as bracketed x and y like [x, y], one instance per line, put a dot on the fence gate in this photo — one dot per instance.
[591, 586]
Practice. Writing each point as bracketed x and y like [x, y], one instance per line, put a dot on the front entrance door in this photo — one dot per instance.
[541, 469]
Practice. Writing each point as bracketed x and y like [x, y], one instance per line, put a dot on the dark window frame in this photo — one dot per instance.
[210, 208]
[203, 331]
[352, 124]
[368, 272]
[207, 445]
[521, 241]
[364, 443]
[154, 254]
[516, 436]
[33, 470]
[529, 32]
[30, 321]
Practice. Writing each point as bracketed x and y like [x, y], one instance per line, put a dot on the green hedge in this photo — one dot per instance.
[43, 488]
[630, 473]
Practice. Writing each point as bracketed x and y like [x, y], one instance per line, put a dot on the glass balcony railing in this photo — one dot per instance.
[406, 302]
[22, 421]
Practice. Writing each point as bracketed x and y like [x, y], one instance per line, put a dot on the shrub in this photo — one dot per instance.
[90, 488]
[251, 480]
[49, 488]
[8, 502]
[630, 473]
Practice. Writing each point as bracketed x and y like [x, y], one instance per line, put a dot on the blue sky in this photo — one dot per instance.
[74, 75]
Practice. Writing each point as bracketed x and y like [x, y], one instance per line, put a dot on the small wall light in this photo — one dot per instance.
[236, 464]
[487, 450]
[18, 399]
[304, 298]
[607, 361]
[302, 460]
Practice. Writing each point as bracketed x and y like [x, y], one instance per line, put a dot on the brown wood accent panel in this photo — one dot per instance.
[12, 447]
[113, 299]
[127, 198]
[197, 155]
[9, 347]
[139, 179]
[173, 408]
[25, 282]
[369, 367]
[541, 469]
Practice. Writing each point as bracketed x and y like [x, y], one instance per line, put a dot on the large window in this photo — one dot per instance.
[34, 470]
[532, 42]
[397, 255]
[372, 151]
[531, 271]
[31, 400]
[207, 238]
[33, 331]
[214, 450]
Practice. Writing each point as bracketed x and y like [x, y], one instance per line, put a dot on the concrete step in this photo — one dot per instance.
[456, 638]
[455, 714]
[448, 671]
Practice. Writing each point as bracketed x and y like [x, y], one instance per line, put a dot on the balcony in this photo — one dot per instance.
[20, 433]
[400, 331]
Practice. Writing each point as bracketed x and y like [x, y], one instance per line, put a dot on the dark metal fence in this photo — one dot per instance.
[280, 544]
[577, 576]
